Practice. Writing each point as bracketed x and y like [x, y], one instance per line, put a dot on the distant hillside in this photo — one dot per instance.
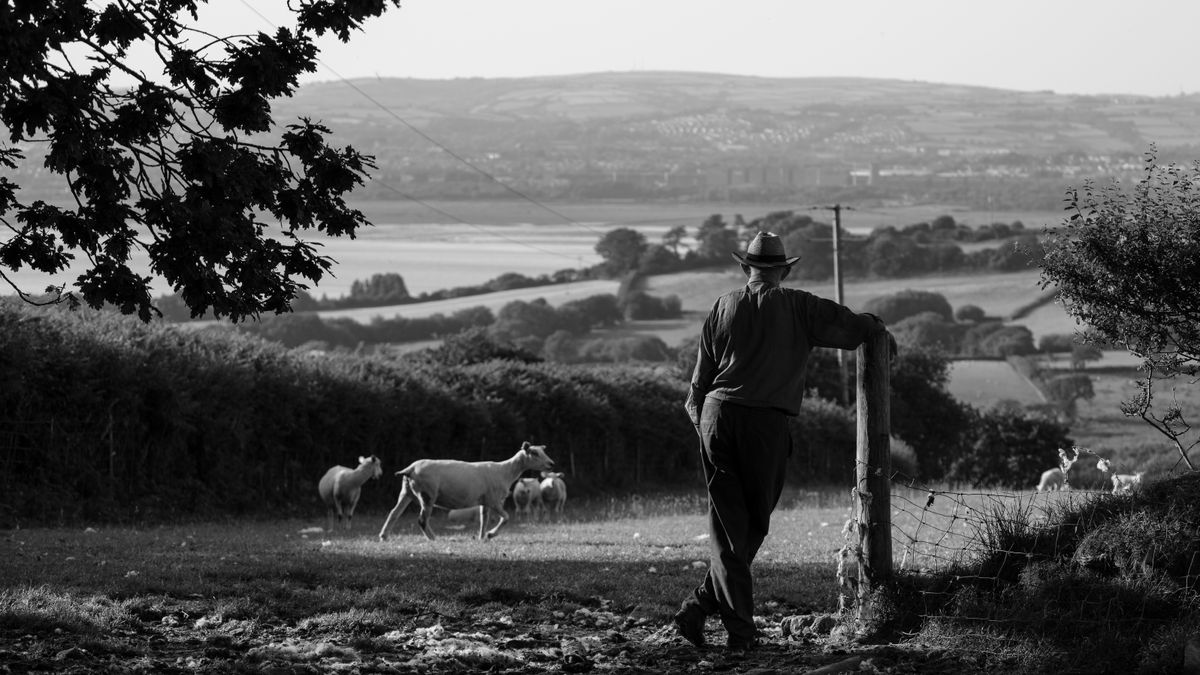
[670, 135]
[647, 134]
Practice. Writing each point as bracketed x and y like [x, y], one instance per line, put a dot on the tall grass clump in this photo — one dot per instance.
[1103, 584]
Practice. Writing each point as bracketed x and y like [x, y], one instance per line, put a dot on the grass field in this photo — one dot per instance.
[598, 586]
[594, 588]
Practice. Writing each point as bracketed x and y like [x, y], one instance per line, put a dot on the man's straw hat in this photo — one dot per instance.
[765, 250]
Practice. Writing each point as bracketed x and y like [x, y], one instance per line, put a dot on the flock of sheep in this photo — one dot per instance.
[460, 486]
[452, 485]
[1056, 478]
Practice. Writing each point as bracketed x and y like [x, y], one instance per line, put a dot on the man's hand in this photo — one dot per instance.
[893, 350]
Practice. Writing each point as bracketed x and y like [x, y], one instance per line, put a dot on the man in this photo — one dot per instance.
[749, 379]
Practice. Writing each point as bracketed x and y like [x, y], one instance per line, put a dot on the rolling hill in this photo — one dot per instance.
[706, 136]
[639, 134]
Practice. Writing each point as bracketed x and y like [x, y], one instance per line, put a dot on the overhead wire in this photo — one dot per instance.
[458, 158]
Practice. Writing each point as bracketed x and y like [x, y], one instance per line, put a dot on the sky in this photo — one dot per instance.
[1067, 46]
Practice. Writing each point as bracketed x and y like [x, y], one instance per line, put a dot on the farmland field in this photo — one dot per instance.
[982, 383]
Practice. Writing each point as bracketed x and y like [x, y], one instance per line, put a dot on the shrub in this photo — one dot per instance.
[970, 314]
[1056, 343]
[639, 305]
[824, 437]
[925, 415]
[476, 345]
[623, 349]
[1007, 449]
[897, 306]
[1008, 341]
[928, 330]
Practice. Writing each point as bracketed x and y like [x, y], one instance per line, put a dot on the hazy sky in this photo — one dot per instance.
[1069, 46]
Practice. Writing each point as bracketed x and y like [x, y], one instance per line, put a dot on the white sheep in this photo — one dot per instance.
[1124, 483]
[554, 490]
[454, 484]
[1052, 479]
[341, 486]
[527, 496]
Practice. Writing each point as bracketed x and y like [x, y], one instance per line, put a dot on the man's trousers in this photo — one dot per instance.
[744, 453]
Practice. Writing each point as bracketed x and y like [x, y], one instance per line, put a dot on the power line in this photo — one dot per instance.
[434, 141]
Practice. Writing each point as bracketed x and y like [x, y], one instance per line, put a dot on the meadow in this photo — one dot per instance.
[590, 589]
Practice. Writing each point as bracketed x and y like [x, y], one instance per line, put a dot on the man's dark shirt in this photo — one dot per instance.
[755, 343]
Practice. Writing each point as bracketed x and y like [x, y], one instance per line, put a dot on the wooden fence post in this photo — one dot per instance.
[873, 461]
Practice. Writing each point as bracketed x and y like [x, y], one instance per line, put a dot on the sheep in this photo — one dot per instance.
[340, 488]
[1052, 479]
[453, 484]
[527, 496]
[554, 490]
[1124, 483]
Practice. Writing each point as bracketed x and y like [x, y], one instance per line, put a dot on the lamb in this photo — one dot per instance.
[1124, 483]
[1052, 479]
[554, 490]
[527, 496]
[454, 484]
[340, 488]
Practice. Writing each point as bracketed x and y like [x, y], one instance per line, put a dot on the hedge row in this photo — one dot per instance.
[103, 418]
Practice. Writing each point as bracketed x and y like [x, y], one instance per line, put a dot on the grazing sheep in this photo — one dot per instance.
[1124, 483]
[340, 488]
[527, 496]
[554, 491]
[1052, 479]
[453, 484]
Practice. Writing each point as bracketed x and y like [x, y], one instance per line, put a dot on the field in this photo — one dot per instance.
[982, 383]
[594, 589]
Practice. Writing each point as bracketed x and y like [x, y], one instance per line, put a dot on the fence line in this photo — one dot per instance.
[951, 540]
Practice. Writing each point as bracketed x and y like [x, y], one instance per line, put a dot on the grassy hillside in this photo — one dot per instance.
[946, 114]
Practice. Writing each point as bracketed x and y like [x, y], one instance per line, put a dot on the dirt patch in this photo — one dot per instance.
[497, 641]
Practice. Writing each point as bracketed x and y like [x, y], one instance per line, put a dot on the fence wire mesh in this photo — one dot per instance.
[973, 557]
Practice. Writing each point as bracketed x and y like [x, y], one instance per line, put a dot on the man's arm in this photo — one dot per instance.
[837, 326]
[702, 375]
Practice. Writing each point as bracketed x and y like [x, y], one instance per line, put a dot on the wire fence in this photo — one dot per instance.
[935, 529]
[976, 558]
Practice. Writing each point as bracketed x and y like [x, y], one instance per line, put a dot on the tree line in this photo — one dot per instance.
[888, 252]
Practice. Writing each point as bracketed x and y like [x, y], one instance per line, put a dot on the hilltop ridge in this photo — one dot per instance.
[714, 136]
[684, 136]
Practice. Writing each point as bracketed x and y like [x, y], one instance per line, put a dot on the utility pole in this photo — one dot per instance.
[840, 295]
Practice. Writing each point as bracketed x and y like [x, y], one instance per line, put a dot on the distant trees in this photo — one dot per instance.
[715, 240]
[1064, 390]
[1126, 265]
[621, 249]
[380, 289]
[969, 313]
[641, 305]
[1082, 353]
[896, 306]
[888, 252]
[673, 237]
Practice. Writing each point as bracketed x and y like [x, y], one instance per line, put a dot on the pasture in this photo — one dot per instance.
[594, 589]
[982, 383]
